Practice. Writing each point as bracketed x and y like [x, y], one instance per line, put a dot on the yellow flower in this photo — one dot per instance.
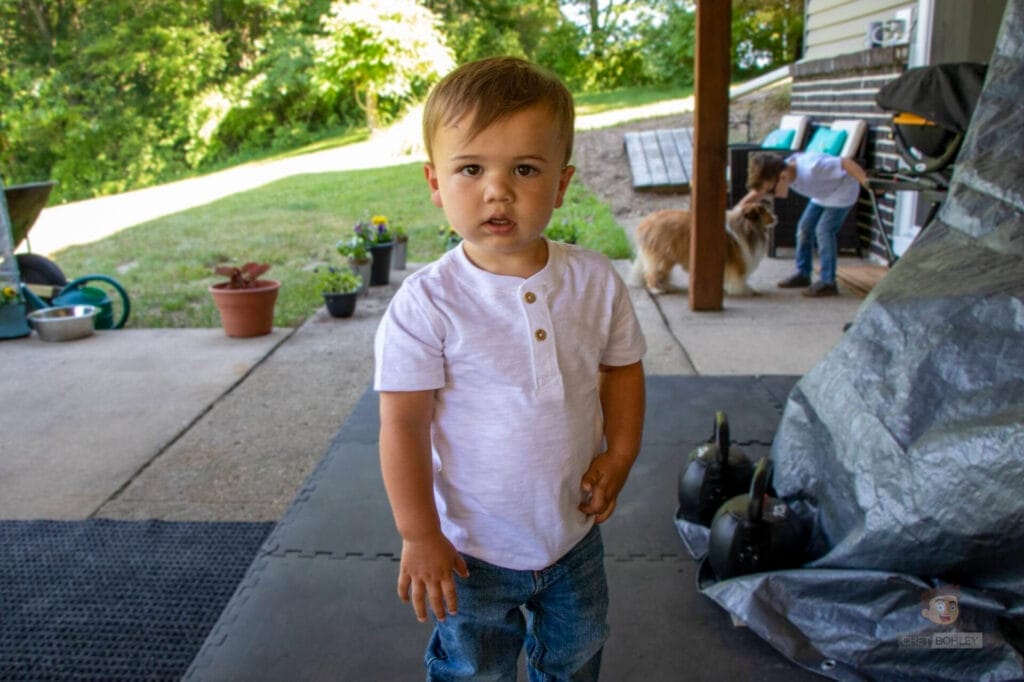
[379, 220]
[9, 292]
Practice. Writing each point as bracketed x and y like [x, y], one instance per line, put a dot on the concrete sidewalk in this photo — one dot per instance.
[191, 425]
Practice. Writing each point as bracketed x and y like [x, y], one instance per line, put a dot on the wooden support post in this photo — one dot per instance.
[710, 139]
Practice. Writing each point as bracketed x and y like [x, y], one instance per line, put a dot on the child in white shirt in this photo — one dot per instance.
[512, 392]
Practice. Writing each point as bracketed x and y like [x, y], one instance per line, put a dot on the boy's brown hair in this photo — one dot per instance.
[493, 88]
[763, 168]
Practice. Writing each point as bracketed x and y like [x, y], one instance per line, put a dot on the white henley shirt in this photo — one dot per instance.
[517, 417]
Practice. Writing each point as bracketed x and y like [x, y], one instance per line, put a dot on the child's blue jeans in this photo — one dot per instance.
[564, 626]
[819, 224]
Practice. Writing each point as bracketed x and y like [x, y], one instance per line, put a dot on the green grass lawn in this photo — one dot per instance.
[167, 264]
[624, 98]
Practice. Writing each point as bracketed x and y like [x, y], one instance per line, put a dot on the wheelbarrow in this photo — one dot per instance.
[76, 292]
[24, 204]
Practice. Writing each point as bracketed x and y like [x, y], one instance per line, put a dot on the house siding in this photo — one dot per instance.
[841, 26]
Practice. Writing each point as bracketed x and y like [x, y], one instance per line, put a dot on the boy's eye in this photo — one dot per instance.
[525, 170]
[470, 170]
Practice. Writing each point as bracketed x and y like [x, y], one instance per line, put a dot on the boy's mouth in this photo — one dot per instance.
[499, 225]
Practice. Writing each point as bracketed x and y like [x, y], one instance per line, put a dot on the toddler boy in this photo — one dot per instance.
[511, 391]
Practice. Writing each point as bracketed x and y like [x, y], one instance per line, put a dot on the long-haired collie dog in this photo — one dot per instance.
[663, 239]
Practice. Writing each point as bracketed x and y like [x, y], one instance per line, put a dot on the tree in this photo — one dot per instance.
[104, 106]
[669, 43]
[379, 48]
[765, 34]
[607, 21]
[612, 47]
[535, 30]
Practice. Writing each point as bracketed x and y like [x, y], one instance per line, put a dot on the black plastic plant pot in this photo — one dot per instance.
[380, 270]
[341, 305]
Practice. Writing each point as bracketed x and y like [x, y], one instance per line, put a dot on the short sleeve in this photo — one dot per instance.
[626, 343]
[409, 344]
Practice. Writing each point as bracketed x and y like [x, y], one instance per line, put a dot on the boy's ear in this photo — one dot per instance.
[430, 173]
[563, 184]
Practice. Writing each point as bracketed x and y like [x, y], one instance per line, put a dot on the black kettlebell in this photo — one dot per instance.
[714, 472]
[756, 532]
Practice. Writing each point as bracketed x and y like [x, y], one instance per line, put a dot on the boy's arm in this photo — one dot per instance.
[854, 170]
[752, 197]
[622, 403]
[428, 558]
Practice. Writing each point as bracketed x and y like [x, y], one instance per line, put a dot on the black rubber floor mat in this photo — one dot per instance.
[320, 603]
[779, 385]
[328, 618]
[662, 628]
[315, 618]
[342, 509]
[115, 600]
[682, 408]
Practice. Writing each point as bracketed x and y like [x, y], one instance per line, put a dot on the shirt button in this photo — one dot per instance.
[530, 297]
[540, 334]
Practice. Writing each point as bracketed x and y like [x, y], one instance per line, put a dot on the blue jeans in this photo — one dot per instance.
[564, 625]
[821, 224]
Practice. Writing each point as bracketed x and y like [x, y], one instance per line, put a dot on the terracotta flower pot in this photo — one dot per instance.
[247, 312]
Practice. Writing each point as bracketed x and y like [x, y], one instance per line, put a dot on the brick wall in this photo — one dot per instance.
[844, 87]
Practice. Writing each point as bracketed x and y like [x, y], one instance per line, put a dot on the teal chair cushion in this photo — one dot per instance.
[780, 138]
[827, 141]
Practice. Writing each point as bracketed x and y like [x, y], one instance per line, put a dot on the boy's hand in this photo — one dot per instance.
[601, 486]
[425, 575]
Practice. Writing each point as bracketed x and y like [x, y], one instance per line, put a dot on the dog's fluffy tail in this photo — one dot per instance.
[638, 271]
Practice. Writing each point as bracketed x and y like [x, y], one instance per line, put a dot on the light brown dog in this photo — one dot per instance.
[663, 239]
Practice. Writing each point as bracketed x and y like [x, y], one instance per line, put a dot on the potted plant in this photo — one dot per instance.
[340, 289]
[12, 312]
[449, 236]
[401, 248]
[357, 251]
[380, 243]
[246, 302]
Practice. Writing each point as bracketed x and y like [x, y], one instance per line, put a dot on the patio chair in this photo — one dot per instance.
[791, 133]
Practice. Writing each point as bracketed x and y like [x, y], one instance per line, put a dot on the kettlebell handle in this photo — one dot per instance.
[722, 439]
[76, 284]
[759, 489]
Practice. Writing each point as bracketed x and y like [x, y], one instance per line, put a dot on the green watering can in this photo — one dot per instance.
[76, 293]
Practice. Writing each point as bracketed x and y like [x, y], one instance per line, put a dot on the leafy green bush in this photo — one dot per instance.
[562, 230]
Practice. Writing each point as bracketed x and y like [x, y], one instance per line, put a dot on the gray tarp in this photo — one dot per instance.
[907, 441]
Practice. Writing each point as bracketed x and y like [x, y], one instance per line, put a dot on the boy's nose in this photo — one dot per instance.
[498, 189]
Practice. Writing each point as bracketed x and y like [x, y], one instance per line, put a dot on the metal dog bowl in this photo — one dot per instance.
[63, 323]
